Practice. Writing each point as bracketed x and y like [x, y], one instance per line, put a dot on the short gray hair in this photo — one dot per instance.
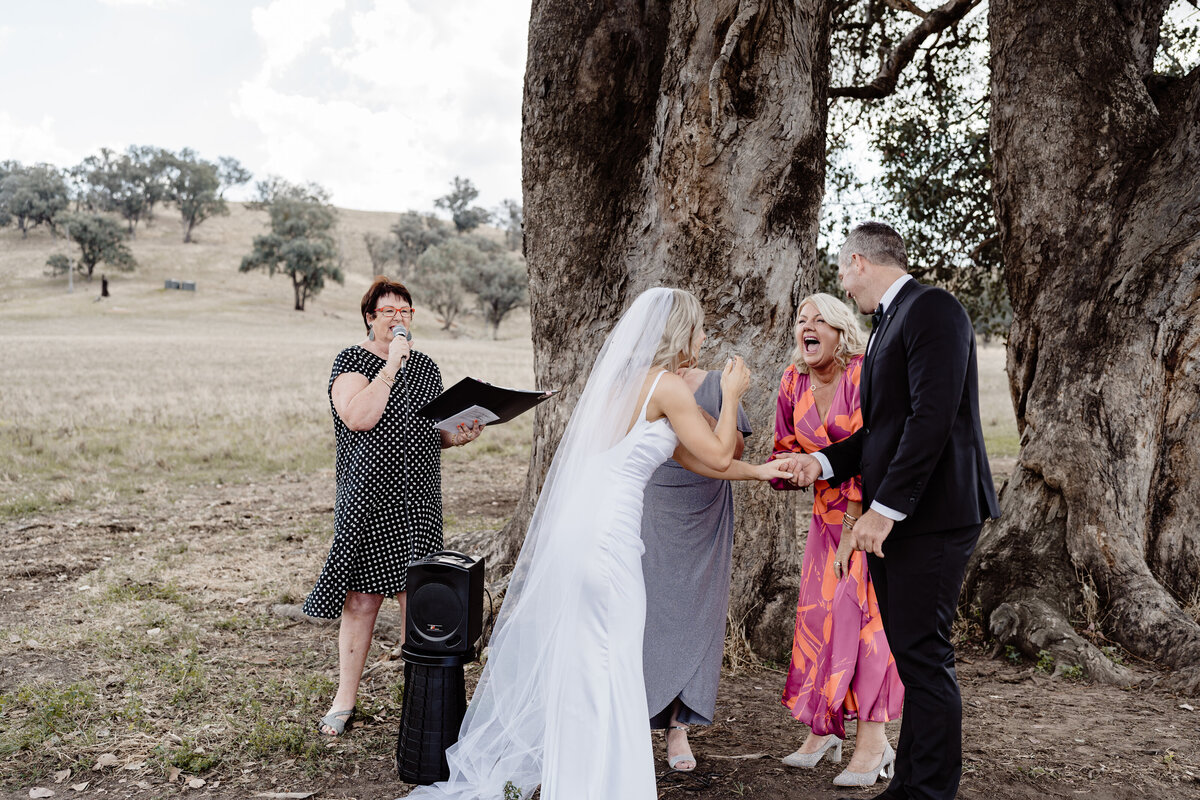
[878, 242]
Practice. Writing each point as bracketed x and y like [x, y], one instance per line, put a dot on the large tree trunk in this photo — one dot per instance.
[1098, 203]
[678, 144]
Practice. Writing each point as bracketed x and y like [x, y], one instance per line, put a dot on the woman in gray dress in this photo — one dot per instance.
[687, 529]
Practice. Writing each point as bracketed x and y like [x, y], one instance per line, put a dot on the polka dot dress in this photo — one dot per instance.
[388, 511]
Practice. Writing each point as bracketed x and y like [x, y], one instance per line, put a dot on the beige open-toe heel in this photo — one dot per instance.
[673, 760]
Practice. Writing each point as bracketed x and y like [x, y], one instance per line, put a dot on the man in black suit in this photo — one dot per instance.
[927, 488]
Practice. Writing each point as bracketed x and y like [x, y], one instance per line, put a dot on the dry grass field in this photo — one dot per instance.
[166, 488]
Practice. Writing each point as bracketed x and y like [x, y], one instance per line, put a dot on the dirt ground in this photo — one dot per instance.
[248, 549]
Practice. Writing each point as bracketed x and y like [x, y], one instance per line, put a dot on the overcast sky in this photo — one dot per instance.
[382, 102]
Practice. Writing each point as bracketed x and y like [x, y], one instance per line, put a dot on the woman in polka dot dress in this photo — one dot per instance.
[388, 511]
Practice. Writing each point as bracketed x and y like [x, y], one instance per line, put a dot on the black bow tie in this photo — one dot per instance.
[877, 316]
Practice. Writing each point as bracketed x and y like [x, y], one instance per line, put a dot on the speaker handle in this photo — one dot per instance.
[463, 556]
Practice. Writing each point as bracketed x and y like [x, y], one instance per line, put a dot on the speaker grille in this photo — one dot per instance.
[437, 612]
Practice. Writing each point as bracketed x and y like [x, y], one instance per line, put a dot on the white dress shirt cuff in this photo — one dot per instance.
[890, 513]
[826, 468]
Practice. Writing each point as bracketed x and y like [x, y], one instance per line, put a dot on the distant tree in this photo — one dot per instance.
[458, 203]
[301, 243]
[500, 284]
[381, 249]
[198, 186]
[415, 233]
[512, 218]
[439, 275]
[117, 185]
[150, 175]
[32, 195]
[79, 189]
[100, 239]
[6, 169]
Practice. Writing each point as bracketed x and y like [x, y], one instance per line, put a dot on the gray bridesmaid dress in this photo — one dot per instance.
[687, 529]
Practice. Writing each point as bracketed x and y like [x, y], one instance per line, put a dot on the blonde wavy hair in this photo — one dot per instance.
[852, 339]
[685, 318]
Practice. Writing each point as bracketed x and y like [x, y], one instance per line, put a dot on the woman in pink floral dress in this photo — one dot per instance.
[841, 667]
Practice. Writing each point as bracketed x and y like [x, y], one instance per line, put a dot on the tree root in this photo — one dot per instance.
[1034, 627]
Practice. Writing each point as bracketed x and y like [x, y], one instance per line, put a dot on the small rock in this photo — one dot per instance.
[38, 791]
[105, 760]
[1187, 707]
[196, 783]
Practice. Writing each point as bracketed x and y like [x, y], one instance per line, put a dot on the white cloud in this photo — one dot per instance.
[400, 100]
[145, 3]
[288, 27]
[32, 144]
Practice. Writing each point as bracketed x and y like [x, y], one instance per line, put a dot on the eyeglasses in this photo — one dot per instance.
[391, 311]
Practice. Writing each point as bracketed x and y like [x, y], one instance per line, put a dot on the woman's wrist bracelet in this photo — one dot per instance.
[388, 379]
[849, 519]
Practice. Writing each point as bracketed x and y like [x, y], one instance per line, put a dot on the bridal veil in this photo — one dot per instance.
[530, 666]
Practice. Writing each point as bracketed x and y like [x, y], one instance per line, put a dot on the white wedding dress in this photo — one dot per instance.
[561, 702]
[598, 727]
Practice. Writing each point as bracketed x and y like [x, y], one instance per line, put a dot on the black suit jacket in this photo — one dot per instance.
[920, 450]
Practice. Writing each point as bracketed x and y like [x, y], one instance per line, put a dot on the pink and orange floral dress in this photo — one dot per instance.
[841, 666]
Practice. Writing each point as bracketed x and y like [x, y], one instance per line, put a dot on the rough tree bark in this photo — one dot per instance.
[681, 144]
[1098, 203]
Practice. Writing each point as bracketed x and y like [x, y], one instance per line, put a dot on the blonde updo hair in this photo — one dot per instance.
[685, 318]
[852, 339]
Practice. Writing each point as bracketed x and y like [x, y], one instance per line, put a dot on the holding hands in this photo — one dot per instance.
[804, 468]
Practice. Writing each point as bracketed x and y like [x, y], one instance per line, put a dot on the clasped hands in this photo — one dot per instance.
[867, 533]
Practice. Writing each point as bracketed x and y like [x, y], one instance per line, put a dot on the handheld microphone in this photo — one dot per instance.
[397, 332]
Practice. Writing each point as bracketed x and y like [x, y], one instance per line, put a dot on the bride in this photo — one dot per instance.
[561, 701]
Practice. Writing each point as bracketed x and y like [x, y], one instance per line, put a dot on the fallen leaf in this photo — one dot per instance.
[62, 775]
[38, 791]
[79, 787]
[105, 760]
[241, 601]
[136, 765]
[286, 795]
[196, 783]
[173, 775]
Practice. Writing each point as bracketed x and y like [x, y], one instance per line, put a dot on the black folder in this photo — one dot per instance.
[468, 393]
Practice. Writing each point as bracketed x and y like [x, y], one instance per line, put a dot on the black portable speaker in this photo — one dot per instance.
[445, 605]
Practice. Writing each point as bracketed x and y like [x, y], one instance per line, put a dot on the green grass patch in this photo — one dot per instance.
[34, 714]
[136, 591]
[1002, 443]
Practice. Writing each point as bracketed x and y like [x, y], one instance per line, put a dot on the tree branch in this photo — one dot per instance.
[884, 84]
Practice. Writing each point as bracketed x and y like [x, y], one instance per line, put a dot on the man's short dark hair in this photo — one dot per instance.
[878, 242]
